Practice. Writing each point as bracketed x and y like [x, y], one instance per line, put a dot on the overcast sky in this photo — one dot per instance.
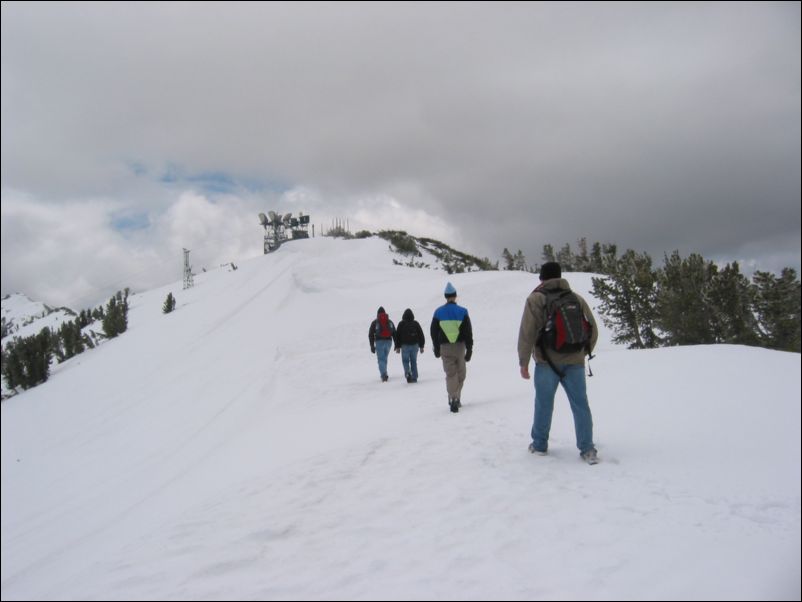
[130, 131]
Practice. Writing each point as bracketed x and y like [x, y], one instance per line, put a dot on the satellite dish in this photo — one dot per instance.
[287, 218]
[263, 220]
[273, 217]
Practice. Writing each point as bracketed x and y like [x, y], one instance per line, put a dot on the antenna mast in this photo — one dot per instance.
[188, 283]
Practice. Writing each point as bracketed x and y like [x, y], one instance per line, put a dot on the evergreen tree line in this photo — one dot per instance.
[26, 361]
[687, 301]
[583, 260]
[691, 301]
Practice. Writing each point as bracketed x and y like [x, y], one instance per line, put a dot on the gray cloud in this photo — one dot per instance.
[655, 126]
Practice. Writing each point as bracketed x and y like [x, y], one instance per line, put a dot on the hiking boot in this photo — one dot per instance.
[534, 450]
[454, 405]
[409, 378]
[590, 456]
[384, 378]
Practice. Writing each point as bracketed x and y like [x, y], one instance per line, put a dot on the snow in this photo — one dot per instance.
[243, 447]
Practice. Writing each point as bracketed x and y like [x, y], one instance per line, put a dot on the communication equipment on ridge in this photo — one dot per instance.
[188, 280]
[279, 229]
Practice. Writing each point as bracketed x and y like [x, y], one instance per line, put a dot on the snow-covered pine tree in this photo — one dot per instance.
[169, 304]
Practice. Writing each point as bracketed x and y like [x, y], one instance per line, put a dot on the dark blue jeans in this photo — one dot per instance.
[409, 357]
[546, 381]
[383, 347]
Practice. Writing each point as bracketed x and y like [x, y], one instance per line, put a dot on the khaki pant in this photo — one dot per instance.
[453, 356]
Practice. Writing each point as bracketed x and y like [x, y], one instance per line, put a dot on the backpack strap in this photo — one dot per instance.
[545, 353]
[549, 294]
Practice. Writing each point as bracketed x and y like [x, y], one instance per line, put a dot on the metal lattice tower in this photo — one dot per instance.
[188, 283]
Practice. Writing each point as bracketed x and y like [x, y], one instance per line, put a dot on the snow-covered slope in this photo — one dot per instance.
[243, 447]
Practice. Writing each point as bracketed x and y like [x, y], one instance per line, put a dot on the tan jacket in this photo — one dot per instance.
[533, 320]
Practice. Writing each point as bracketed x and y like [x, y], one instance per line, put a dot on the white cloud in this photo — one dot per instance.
[652, 126]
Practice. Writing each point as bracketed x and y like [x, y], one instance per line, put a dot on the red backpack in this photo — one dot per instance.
[566, 329]
[384, 327]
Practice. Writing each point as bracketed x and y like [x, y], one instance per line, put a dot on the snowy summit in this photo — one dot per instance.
[244, 447]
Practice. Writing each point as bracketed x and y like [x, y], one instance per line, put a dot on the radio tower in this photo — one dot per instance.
[187, 271]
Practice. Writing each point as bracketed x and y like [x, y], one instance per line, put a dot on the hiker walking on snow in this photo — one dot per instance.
[558, 326]
[381, 336]
[452, 340]
[409, 340]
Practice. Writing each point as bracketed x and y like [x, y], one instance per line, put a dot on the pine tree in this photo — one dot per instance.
[509, 260]
[80, 342]
[609, 257]
[109, 320]
[115, 321]
[777, 306]
[13, 370]
[683, 306]
[520, 261]
[596, 264]
[69, 341]
[582, 261]
[169, 304]
[565, 257]
[27, 361]
[61, 344]
[39, 366]
[548, 253]
[731, 299]
[124, 320]
[628, 300]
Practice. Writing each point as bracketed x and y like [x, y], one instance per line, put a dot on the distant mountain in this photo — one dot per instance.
[428, 253]
[22, 317]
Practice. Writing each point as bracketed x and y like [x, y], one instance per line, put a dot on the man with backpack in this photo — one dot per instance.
[558, 327]
[382, 336]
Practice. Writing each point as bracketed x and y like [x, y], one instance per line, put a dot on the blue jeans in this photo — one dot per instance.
[409, 357]
[546, 381]
[382, 351]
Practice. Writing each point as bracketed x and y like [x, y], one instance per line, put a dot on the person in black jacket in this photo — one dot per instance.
[409, 341]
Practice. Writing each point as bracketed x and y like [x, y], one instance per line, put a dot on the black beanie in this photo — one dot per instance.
[549, 270]
[380, 311]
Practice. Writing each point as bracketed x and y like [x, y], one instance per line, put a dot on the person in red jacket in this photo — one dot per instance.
[381, 336]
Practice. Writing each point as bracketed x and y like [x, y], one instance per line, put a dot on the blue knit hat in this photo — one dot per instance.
[450, 290]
